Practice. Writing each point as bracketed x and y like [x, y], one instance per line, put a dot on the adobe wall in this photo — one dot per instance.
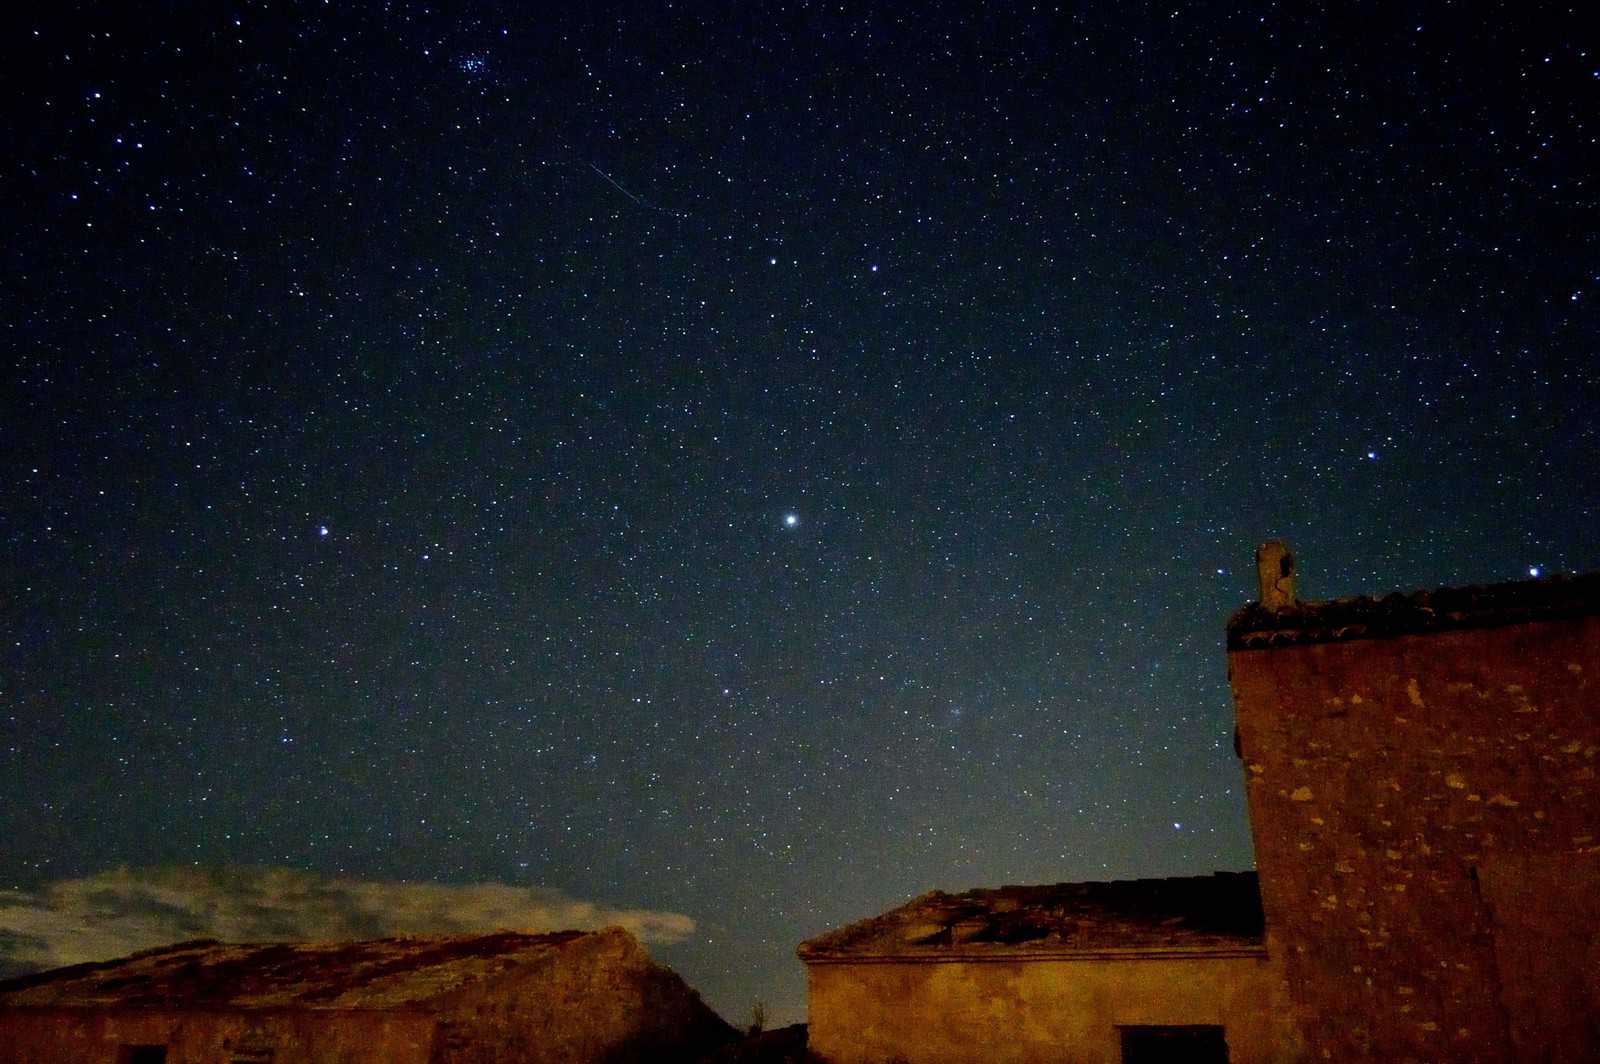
[1038, 1011]
[1426, 814]
[95, 1036]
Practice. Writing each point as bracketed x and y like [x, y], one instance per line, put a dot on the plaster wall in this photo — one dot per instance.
[96, 1036]
[1426, 813]
[1037, 1011]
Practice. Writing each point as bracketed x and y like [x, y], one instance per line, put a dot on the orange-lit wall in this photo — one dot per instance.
[95, 1036]
[1426, 813]
[1039, 1011]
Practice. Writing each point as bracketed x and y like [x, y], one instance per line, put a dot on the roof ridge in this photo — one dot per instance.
[1546, 598]
[330, 973]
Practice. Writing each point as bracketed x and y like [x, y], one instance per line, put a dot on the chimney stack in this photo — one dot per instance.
[1275, 570]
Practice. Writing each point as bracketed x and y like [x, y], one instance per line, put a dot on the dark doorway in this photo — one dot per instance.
[143, 1055]
[1174, 1045]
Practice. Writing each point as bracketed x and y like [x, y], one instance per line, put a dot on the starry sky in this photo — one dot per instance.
[754, 462]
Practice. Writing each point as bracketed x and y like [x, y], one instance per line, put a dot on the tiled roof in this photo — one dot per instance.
[1195, 914]
[1551, 598]
[385, 973]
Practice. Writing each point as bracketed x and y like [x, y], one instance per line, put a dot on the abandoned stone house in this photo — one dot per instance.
[1137, 970]
[568, 996]
[1421, 787]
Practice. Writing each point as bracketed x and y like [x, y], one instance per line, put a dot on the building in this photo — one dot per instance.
[1421, 781]
[1133, 971]
[569, 996]
[1422, 790]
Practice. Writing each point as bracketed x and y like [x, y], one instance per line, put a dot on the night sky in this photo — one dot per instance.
[751, 463]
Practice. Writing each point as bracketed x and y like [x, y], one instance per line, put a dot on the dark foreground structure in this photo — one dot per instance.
[1422, 791]
[571, 996]
[1421, 783]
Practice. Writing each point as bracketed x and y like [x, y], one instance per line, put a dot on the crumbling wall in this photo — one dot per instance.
[1404, 793]
[1040, 1011]
[599, 999]
[96, 1036]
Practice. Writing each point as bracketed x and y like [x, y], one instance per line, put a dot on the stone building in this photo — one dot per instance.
[1421, 781]
[1142, 970]
[569, 996]
[1421, 785]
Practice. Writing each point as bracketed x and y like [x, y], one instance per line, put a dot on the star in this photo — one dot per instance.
[593, 419]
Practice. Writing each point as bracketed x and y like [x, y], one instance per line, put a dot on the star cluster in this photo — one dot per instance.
[759, 463]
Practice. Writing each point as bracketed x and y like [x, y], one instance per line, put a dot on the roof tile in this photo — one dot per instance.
[383, 973]
[1219, 911]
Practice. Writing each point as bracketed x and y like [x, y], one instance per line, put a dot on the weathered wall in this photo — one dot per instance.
[599, 999]
[1425, 814]
[1033, 1012]
[70, 1036]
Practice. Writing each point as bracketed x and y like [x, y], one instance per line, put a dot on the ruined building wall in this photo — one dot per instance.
[1040, 1011]
[602, 999]
[97, 1036]
[1426, 813]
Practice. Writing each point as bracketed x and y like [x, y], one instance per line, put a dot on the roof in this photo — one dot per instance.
[1219, 913]
[1491, 605]
[386, 973]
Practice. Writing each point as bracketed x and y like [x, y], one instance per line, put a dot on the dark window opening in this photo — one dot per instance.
[1174, 1045]
[142, 1055]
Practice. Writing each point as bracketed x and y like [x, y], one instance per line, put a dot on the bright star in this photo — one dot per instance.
[791, 520]
[1533, 570]
[322, 530]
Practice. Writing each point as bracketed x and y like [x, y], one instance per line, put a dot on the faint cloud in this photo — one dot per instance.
[128, 909]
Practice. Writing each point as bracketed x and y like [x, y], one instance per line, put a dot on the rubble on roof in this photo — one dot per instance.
[1219, 911]
[318, 975]
[1364, 617]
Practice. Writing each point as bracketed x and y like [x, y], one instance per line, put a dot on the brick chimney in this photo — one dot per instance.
[1275, 570]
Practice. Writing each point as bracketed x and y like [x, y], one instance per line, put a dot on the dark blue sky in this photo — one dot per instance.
[405, 409]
